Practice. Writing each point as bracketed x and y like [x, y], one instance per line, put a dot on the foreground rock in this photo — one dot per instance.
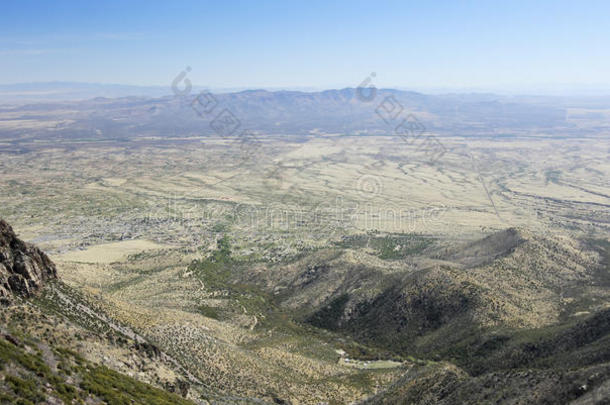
[23, 267]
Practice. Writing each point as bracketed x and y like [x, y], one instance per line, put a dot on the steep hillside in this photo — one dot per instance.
[443, 383]
[57, 347]
[376, 318]
[555, 365]
[441, 292]
[33, 372]
[241, 352]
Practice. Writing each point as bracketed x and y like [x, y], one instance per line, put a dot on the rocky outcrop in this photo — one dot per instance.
[23, 267]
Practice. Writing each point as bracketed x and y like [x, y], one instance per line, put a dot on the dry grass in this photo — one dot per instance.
[109, 252]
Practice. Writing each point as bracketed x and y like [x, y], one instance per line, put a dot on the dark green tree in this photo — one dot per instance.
[222, 254]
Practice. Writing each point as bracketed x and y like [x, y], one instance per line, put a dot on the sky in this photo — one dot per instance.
[480, 45]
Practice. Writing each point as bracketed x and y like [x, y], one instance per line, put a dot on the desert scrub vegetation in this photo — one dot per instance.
[215, 272]
[602, 246]
[59, 299]
[390, 246]
[116, 389]
[215, 269]
[25, 390]
[329, 316]
[208, 311]
[26, 378]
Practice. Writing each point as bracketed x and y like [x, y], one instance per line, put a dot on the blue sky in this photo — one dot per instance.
[308, 44]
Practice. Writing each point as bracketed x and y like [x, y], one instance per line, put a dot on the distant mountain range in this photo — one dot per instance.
[123, 112]
[62, 91]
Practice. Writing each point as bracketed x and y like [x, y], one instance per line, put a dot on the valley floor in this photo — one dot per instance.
[342, 270]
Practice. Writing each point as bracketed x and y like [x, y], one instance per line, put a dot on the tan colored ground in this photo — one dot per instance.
[108, 252]
[123, 223]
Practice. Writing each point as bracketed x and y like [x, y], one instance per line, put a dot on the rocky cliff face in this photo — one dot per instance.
[23, 267]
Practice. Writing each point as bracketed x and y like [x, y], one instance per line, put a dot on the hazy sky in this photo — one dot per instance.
[413, 44]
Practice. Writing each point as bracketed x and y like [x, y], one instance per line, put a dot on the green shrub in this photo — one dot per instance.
[117, 389]
[208, 311]
[27, 390]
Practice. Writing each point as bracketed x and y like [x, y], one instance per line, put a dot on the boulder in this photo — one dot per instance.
[23, 267]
